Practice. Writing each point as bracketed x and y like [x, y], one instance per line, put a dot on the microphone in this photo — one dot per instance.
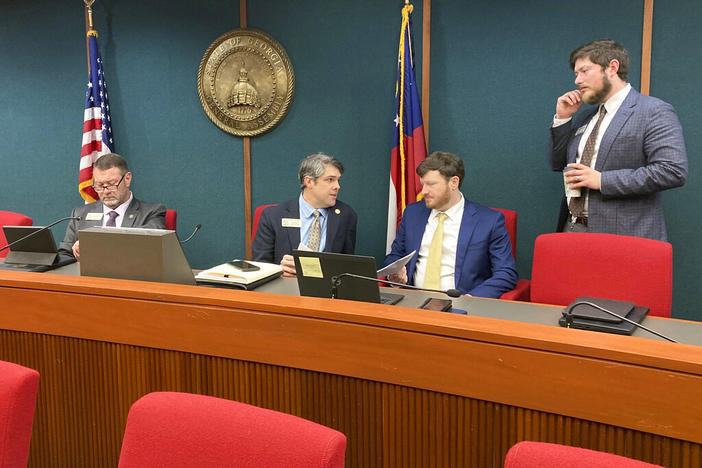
[197, 228]
[336, 282]
[77, 218]
[569, 318]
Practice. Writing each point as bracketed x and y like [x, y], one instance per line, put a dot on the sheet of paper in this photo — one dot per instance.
[311, 267]
[396, 266]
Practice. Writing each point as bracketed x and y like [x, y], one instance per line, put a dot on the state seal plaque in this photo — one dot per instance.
[246, 82]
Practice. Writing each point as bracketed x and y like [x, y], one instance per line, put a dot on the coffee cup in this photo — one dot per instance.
[570, 192]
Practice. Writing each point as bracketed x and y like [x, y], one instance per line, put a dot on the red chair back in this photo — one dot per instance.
[184, 430]
[18, 395]
[257, 218]
[527, 454]
[171, 219]
[569, 265]
[511, 225]
[8, 218]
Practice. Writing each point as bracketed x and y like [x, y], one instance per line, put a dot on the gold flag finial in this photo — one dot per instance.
[89, 6]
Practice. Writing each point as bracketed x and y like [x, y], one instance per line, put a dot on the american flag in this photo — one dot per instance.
[97, 124]
[409, 146]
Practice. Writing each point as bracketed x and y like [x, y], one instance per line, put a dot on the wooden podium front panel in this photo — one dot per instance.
[407, 387]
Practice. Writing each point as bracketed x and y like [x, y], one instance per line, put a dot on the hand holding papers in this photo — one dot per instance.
[396, 266]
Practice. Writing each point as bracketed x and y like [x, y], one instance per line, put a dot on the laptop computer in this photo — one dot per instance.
[35, 253]
[315, 271]
[134, 253]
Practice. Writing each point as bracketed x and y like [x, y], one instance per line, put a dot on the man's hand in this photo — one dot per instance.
[568, 104]
[76, 250]
[583, 176]
[400, 277]
[288, 264]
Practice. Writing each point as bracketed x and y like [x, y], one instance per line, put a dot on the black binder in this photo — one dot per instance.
[586, 317]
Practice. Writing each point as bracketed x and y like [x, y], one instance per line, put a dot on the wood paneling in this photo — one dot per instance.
[407, 387]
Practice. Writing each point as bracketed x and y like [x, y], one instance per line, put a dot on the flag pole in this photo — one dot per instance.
[88, 26]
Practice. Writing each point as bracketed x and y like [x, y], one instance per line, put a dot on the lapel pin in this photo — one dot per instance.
[337, 211]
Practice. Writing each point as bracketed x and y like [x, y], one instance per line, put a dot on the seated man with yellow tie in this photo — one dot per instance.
[459, 244]
[117, 206]
[316, 218]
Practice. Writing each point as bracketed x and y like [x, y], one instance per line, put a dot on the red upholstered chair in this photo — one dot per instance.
[257, 218]
[18, 395]
[169, 429]
[527, 454]
[511, 225]
[171, 219]
[572, 264]
[8, 218]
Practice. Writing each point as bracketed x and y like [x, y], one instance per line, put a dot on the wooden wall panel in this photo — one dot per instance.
[87, 387]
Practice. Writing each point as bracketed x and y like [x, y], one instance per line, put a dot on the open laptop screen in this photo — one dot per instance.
[37, 249]
[315, 271]
[133, 253]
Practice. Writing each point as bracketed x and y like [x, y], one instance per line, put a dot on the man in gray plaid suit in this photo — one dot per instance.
[623, 152]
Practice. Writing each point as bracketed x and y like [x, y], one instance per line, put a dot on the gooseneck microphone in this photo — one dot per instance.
[569, 318]
[77, 218]
[197, 228]
[336, 282]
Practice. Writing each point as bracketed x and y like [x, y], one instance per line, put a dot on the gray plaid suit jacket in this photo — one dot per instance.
[642, 153]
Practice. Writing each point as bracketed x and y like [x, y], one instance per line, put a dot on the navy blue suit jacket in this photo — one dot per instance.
[484, 263]
[272, 240]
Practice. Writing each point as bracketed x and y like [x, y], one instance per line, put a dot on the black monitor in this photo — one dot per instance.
[316, 270]
[133, 253]
[37, 249]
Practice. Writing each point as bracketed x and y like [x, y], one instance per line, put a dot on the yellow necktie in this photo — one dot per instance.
[432, 275]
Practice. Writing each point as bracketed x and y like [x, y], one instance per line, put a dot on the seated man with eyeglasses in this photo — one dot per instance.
[117, 206]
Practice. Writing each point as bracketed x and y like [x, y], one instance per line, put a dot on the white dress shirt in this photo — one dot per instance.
[452, 226]
[121, 210]
[612, 105]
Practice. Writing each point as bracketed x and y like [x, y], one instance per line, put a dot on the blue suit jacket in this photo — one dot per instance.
[484, 263]
[272, 240]
[642, 152]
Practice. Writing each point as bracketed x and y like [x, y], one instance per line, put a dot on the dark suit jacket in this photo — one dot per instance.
[138, 214]
[484, 263]
[272, 240]
[642, 153]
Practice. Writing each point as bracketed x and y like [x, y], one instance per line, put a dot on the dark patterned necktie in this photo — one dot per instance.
[315, 232]
[111, 222]
[577, 204]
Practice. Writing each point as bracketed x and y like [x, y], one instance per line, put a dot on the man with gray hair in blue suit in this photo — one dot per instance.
[620, 154]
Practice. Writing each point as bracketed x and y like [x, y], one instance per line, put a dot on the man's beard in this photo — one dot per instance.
[602, 93]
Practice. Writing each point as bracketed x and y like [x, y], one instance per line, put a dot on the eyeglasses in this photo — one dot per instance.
[108, 188]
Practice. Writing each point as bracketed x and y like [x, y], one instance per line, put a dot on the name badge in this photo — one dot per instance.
[93, 217]
[291, 222]
[580, 130]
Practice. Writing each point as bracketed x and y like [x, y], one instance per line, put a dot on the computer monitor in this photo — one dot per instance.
[315, 271]
[38, 249]
[133, 253]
